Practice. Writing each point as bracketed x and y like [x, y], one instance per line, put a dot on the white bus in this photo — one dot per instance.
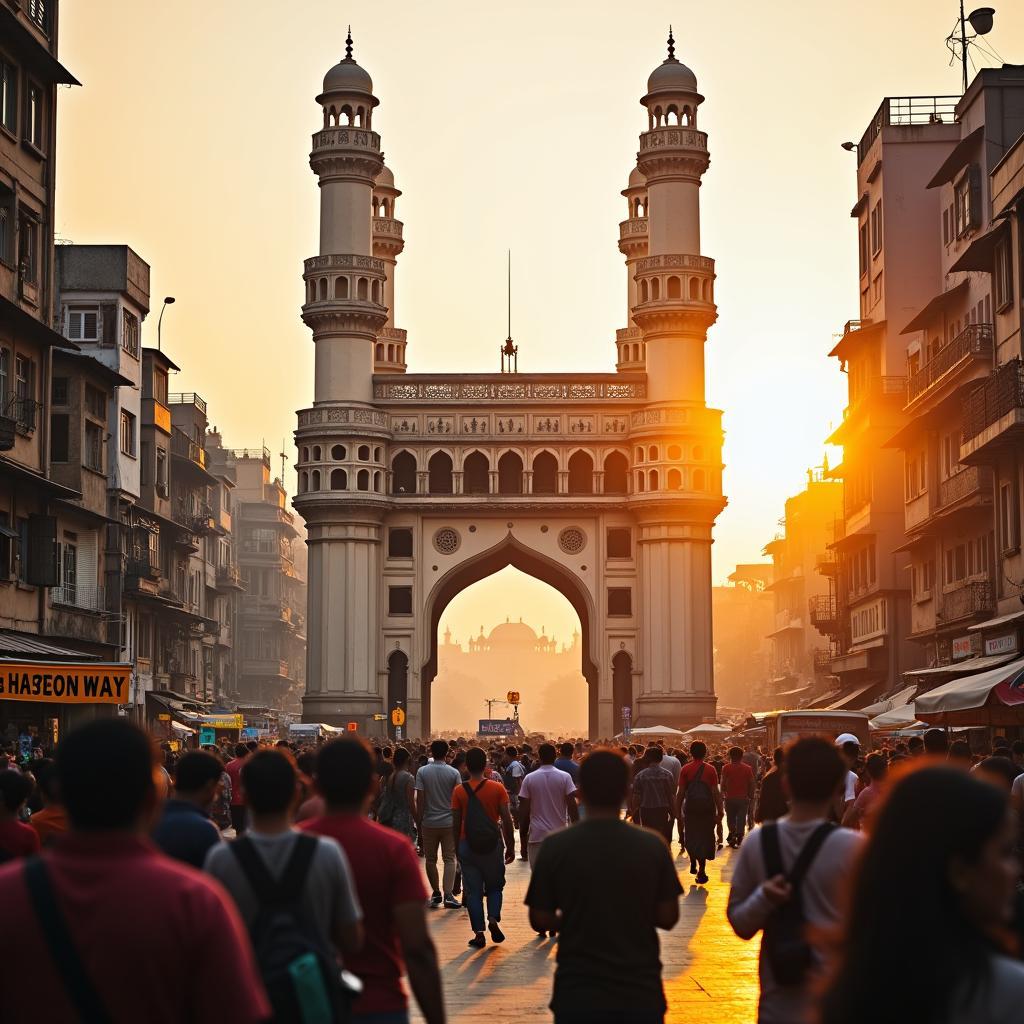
[783, 726]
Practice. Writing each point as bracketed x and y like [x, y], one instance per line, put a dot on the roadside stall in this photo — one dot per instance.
[653, 733]
[993, 700]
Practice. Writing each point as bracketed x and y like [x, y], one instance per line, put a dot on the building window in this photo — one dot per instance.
[1009, 516]
[130, 333]
[24, 391]
[92, 457]
[620, 601]
[60, 431]
[69, 568]
[620, 542]
[8, 96]
[161, 471]
[59, 391]
[127, 433]
[37, 12]
[967, 201]
[83, 323]
[876, 229]
[399, 543]
[28, 249]
[34, 115]
[1002, 276]
[399, 600]
[95, 403]
[6, 225]
[863, 252]
[949, 449]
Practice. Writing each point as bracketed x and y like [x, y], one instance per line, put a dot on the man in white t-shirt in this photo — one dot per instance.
[813, 777]
[849, 750]
[547, 801]
[433, 786]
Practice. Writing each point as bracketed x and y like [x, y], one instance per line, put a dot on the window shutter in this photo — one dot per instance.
[108, 323]
[43, 551]
[974, 214]
[87, 569]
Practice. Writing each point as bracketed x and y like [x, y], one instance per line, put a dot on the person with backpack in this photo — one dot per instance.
[103, 926]
[787, 879]
[478, 805]
[699, 808]
[295, 893]
[396, 807]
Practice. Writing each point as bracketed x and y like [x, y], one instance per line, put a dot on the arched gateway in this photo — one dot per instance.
[414, 486]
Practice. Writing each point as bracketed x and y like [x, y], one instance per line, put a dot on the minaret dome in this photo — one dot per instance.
[672, 97]
[347, 96]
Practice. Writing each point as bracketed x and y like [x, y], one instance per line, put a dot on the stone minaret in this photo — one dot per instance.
[345, 285]
[387, 245]
[677, 462]
[629, 342]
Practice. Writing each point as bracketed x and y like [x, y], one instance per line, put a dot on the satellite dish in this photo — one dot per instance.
[981, 20]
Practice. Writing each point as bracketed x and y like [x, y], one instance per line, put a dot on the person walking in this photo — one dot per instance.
[738, 784]
[786, 882]
[285, 882]
[234, 771]
[653, 794]
[699, 807]
[952, 834]
[547, 800]
[772, 802]
[876, 767]
[478, 805]
[184, 830]
[565, 763]
[396, 808]
[605, 888]
[16, 838]
[433, 787]
[390, 889]
[107, 927]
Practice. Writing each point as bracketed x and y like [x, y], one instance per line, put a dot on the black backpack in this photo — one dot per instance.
[697, 796]
[785, 932]
[300, 973]
[482, 834]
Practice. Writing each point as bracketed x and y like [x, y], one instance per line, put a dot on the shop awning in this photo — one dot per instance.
[995, 697]
[980, 254]
[796, 624]
[936, 306]
[958, 157]
[900, 699]
[850, 700]
[898, 718]
[183, 730]
[968, 666]
[1001, 620]
[25, 645]
[800, 691]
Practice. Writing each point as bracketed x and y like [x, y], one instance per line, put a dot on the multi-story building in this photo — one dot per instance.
[269, 632]
[899, 274]
[743, 614]
[799, 659]
[993, 411]
[950, 535]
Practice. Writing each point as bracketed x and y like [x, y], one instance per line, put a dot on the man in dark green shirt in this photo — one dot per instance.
[605, 887]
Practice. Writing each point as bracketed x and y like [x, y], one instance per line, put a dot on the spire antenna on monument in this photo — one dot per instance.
[671, 45]
[348, 44]
[509, 351]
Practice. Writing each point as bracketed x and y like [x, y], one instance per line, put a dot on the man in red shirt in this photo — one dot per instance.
[234, 770]
[16, 838]
[738, 784]
[390, 889]
[150, 939]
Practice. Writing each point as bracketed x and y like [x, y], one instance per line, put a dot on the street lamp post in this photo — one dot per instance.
[168, 301]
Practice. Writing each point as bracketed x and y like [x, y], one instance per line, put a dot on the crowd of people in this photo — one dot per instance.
[267, 882]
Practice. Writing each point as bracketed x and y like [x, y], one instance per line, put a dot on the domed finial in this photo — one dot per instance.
[671, 45]
[348, 44]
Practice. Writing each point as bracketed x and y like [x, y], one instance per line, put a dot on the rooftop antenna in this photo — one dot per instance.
[509, 352]
[284, 460]
[959, 42]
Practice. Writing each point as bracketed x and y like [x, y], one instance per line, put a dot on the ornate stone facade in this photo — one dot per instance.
[605, 486]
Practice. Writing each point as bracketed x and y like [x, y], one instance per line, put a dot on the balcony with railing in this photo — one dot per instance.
[904, 111]
[968, 601]
[23, 411]
[86, 597]
[993, 413]
[824, 613]
[974, 481]
[187, 449]
[187, 398]
[822, 662]
[971, 349]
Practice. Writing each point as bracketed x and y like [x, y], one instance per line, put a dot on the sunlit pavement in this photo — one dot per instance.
[710, 975]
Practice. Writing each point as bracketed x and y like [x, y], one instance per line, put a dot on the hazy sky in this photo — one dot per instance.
[508, 125]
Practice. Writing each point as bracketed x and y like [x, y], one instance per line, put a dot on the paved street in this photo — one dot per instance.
[710, 975]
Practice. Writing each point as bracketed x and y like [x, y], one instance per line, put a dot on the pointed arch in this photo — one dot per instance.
[510, 474]
[616, 473]
[545, 473]
[439, 473]
[476, 473]
[581, 473]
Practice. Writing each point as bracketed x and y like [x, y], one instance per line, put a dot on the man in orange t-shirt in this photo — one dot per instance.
[738, 785]
[478, 806]
[51, 822]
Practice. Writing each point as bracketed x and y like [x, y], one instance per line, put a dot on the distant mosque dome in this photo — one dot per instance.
[512, 634]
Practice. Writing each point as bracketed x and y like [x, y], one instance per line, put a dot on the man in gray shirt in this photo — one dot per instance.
[813, 776]
[328, 896]
[434, 785]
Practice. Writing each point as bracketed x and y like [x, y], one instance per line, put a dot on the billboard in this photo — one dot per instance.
[497, 727]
